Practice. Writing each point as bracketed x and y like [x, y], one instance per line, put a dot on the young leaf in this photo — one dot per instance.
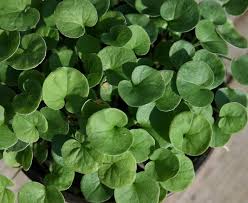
[29, 127]
[63, 83]
[190, 133]
[142, 89]
[183, 178]
[233, 118]
[137, 192]
[108, 126]
[6, 195]
[119, 172]
[73, 26]
[93, 190]
[163, 165]
[34, 192]
[239, 70]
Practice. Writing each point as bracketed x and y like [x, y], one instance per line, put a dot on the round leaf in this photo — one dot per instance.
[64, 84]
[163, 165]
[214, 63]
[34, 192]
[194, 80]
[93, 190]
[30, 75]
[183, 178]
[181, 15]
[8, 138]
[190, 133]
[233, 118]
[73, 26]
[142, 89]
[137, 192]
[236, 7]
[107, 126]
[239, 70]
[9, 43]
[120, 172]
[219, 138]
[28, 127]
[142, 146]
[30, 54]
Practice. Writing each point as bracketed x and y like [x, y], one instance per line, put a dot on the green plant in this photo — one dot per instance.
[118, 94]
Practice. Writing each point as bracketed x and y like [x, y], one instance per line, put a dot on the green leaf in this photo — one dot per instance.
[18, 146]
[7, 96]
[102, 6]
[163, 165]
[47, 12]
[107, 126]
[181, 15]
[115, 57]
[8, 138]
[34, 192]
[9, 43]
[40, 150]
[93, 190]
[233, 118]
[227, 95]
[215, 63]
[140, 41]
[239, 70]
[2, 115]
[18, 15]
[30, 54]
[81, 157]
[143, 144]
[64, 85]
[30, 75]
[219, 138]
[29, 100]
[8, 75]
[137, 192]
[161, 54]
[190, 133]
[6, 195]
[142, 89]
[9, 158]
[25, 158]
[60, 177]
[236, 7]
[50, 35]
[206, 33]
[28, 127]
[181, 52]
[73, 26]
[119, 172]
[57, 123]
[148, 7]
[217, 14]
[229, 33]
[194, 81]
[183, 178]
[206, 112]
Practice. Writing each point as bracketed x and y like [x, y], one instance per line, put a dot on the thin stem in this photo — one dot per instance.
[197, 44]
[16, 173]
[226, 57]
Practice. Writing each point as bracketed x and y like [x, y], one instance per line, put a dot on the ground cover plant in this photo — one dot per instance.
[113, 99]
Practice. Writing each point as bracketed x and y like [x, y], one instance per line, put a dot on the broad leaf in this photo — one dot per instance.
[8, 138]
[219, 138]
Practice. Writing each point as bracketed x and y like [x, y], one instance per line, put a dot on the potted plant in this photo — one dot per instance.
[112, 100]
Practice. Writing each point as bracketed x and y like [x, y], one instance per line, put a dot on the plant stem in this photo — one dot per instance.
[226, 57]
[16, 173]
[197, 44]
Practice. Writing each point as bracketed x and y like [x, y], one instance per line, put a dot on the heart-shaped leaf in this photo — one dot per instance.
[190, 133]
[142, 89]
[239, 70]
[183, 178]
[30, 53]
[137, 192]
[194, 79]
[163, 165]
[112, 132]
[64, 85]
[181, 15]
[29, 127]
[233, 118]
[34, 192]
[119, 172]
[206, 32]
[8, 138]
[73, 26]
[93, 190]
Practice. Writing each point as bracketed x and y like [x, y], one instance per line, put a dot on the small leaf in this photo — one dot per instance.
[119, 172]
[148, 7]
[219, 138]
[137, 192]
[163, 165]
[183, 178]
[50, 35]
[93, 190]
[190, 133]
[112, 132]
[142, 89]
[8, 138]
[25, 158]
[239, 70]
[102, 6]
[34, 192]
[40, 150]
[233, 118]
[30, 75]
[236, 7]
[73, 26]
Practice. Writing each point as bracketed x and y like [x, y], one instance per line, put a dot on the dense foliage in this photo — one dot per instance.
[112, 99]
